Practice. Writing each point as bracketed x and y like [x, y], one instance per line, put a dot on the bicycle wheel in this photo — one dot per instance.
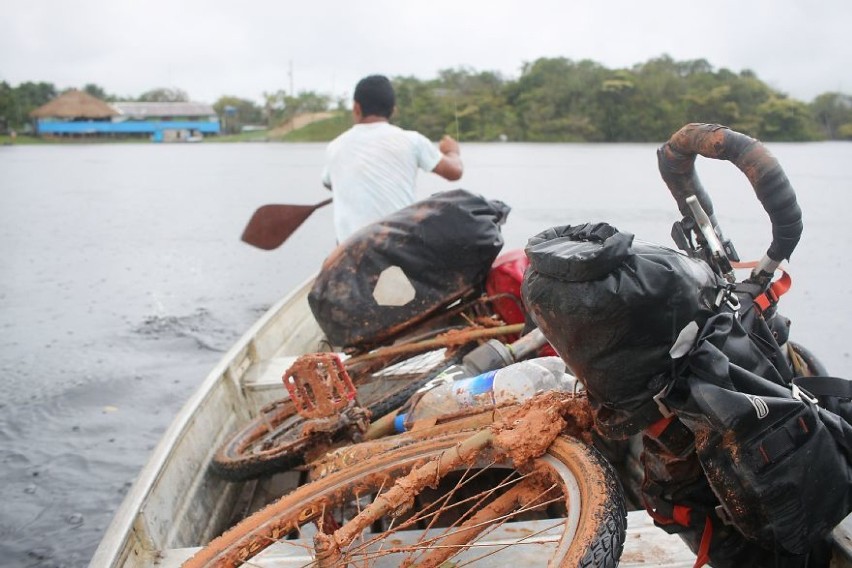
[573, 512]
[273, 441]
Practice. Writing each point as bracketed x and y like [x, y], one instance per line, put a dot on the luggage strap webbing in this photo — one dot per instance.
[773, 293]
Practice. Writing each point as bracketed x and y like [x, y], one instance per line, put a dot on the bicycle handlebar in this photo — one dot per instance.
[676, 160]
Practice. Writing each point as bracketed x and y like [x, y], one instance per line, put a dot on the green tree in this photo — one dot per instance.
[422, 106]
[281, 107]
[97, 92]
[28, 96]
[833, 114]
[715, 105]
[9, 113]
[479, 105]
[845, 132]
[555, 100]
[658, 106]
[164, 95]
[748, 93]
[235, 113]
[783, 119]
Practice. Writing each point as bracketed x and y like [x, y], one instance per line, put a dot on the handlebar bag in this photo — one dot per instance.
[397, 271]
[613, 307]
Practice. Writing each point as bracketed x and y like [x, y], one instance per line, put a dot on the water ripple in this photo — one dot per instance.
[201, 326]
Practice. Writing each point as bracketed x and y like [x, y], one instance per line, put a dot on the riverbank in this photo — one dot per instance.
[308, 127]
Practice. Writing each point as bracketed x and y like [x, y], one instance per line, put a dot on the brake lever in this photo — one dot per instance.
[718, 251]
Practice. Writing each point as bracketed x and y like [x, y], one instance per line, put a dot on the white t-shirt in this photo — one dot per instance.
[372, 170]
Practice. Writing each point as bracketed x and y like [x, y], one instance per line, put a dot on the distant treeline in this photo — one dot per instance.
[558, 100]
[553, 100]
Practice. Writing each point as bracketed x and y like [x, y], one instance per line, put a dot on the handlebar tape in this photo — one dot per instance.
[676, 160]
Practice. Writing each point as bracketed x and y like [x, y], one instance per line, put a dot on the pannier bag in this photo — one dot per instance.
[613, 308]
[778, 463]
[397, 271]
[785, 477]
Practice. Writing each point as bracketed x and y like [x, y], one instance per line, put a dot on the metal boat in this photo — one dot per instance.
[177, 504]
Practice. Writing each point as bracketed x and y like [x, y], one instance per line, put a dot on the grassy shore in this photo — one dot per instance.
[7, 140]
[319, 131]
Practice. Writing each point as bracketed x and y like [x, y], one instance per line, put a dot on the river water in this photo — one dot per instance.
[123, 281]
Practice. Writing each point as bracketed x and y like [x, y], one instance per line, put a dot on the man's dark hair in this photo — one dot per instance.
[375, 95]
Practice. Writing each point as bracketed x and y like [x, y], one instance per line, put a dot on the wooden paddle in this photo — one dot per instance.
[273, 224]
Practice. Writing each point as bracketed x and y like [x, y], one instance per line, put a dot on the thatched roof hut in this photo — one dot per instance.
[74, 104]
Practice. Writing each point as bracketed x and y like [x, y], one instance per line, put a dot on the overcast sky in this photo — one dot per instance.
[211, 48]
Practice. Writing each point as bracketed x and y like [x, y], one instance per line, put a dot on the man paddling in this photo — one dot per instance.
[372, 167]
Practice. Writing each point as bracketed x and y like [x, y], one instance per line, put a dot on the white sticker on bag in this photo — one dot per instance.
[393, 288]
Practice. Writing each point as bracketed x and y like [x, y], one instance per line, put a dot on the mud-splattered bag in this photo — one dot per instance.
[612, 308]
[394, 273]
[778, 463]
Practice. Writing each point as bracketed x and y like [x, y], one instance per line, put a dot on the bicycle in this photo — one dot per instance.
[448, 490]
[385, 377]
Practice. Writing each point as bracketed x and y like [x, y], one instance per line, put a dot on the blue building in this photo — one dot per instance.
[78, 114]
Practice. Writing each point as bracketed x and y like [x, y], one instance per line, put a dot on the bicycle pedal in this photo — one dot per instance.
[319, 385]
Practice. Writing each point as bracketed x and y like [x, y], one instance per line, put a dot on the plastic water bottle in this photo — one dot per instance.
[452, 393]
[520, 381]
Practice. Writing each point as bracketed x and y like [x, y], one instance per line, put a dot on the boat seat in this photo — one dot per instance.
[267, 374]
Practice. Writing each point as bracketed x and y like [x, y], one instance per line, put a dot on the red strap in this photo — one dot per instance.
[681, 515]
[703, 556]
[658, 427]
[776, 289]
[658, 518]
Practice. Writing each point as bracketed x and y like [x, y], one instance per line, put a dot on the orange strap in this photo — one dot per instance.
[658, 427]
[776, 289]
[680, 514]
[703, 556]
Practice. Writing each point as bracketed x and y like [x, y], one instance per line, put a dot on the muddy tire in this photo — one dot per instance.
[270, 442]
[273, 440]
[578, 519]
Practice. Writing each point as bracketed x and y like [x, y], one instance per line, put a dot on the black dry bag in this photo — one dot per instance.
[613, 308]
[395, 272]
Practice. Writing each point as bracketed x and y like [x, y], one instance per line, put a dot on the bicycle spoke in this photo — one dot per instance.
[480, 498]
[507, 545]
[481, 526]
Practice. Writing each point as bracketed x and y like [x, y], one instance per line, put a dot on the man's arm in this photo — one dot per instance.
[450, 167]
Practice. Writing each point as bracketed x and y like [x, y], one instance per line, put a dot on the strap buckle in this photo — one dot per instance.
[801, 394]
[658, 399]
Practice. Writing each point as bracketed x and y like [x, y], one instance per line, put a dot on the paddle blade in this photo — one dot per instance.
[271, 225]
